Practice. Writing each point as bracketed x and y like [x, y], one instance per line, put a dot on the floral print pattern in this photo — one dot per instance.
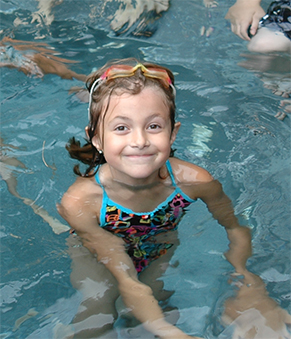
[139, 230]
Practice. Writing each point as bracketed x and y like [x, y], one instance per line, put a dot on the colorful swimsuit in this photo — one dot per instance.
[138, 230]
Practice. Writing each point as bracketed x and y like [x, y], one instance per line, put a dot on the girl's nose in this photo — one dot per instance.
[139, 139]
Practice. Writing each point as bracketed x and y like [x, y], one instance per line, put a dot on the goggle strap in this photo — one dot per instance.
[173, 89]
[96, 83]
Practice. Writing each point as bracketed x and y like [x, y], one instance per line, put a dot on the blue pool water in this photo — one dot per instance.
[228, 127]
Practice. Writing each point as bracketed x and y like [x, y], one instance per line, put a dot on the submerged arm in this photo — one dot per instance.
[251, 310]
[220, 206]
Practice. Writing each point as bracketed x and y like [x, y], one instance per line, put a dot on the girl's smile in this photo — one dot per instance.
[136, 138]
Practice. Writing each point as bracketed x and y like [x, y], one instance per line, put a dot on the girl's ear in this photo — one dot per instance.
[175, 132]
[97, 143]
[95, 140]
[86, 131]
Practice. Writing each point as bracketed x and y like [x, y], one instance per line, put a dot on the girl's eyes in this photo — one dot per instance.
[121, 128]
[154, 126]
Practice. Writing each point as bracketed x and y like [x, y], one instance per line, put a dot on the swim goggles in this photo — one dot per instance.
[124, 71]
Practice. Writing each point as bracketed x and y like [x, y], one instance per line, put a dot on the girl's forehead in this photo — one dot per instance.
[148, 99]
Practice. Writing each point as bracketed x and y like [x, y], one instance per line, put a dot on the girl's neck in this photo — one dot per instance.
[136, 186]
[139, 184]
[137, 195]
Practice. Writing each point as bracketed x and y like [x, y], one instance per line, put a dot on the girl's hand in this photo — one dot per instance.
[139, 298]
[253, 313]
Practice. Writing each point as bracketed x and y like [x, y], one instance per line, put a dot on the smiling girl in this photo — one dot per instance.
[127, 205]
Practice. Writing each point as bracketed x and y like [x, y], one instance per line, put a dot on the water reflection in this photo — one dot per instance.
[274, 70]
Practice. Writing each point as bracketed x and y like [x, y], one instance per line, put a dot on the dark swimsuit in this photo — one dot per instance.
[138, 230]
[278, 17]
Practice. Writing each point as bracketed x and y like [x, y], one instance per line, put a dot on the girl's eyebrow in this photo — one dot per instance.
[120, 117]
[124, 117]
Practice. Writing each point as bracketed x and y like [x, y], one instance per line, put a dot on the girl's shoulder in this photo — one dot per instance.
[85, 185]
[187, 173]
[84, 191]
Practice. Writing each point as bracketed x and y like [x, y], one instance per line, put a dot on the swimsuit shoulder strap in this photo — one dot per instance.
[169, 168]
[98, 179]
[104, 200]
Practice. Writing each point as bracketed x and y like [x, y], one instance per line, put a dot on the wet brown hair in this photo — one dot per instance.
[101, 95]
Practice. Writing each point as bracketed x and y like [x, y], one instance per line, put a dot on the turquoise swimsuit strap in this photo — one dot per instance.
[106, 200]
[97, 178]
[169, 168]
[105, 196]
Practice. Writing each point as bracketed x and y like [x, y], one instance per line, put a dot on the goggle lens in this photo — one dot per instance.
[118, 71]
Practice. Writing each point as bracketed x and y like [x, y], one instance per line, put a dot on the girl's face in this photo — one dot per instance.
[137, 138]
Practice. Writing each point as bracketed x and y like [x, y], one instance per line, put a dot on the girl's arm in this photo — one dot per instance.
[111, 252]
[251, 311]
[197, 183]
[220, 206]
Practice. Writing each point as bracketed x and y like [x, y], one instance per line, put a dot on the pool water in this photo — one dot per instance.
[228, 127]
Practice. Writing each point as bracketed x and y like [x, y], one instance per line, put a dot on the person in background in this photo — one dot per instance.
[266, 33]
[8, 167]
[35, 59]
[269, 40]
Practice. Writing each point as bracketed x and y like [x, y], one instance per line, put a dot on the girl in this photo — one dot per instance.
[127, 205]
